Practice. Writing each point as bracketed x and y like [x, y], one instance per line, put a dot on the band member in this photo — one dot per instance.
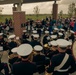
[14, 56]
[39, 59]
[62, 63]
[46, 37]
[18, 41]
[34, 32]
[24, 36]
[3, 43]
[12, 44]
[25, 67]
[36, 40]
[54, 49]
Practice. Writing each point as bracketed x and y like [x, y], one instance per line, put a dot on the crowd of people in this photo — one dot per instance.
[45, 47]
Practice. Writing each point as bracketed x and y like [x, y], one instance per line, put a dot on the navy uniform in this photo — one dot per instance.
[62, 63]
[40, 59]
[46, 38]
[25, 67]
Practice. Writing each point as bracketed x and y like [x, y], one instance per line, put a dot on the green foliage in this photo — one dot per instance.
[71, 9]
[36, 11]
[61, 13]
[32, 16]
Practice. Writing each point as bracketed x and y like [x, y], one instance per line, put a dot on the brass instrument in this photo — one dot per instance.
[12, 56]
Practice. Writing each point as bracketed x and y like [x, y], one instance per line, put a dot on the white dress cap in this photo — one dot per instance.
[46, 32]
[12, 36]
[34, 31]
[53, 43]
[1, 48]
[56, 29]
[14, 50]
[62, 29]
[1, 34]
[51, 32]
[53, 36]
[70, 42]
[72, 31]
[48, 38]
[24, 50]
[36, 35]
[60, 34]
[62, 43]
[24, 30]
[17, 38]
[38, 48]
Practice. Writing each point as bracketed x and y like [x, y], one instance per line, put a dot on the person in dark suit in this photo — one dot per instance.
[25, 67]
[62, 63]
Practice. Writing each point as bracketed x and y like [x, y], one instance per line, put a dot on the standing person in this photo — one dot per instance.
[25, 67]
[63, 63]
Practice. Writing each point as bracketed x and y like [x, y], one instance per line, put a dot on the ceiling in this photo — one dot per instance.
[24, 1]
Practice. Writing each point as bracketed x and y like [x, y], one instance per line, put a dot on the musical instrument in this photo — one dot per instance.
[74, 49]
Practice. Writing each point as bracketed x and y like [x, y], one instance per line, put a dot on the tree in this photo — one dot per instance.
[36, 11]
[75, 12]
[71, 9]
[61, 13]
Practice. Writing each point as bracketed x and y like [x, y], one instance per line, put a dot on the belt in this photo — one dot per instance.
[65, 70]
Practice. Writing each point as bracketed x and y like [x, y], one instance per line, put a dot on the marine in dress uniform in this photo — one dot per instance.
[25, 67]
[35, 41]
[34, 32]
[3, 43]
[3, 66]
[12, 44]
[14, 56]
[39, 59]
[24, 36]
[46, 38]
[46, 49]
[63, 63]
[54, 49]
[72, 37]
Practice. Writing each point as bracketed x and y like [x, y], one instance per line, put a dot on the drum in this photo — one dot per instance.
[74, 49]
